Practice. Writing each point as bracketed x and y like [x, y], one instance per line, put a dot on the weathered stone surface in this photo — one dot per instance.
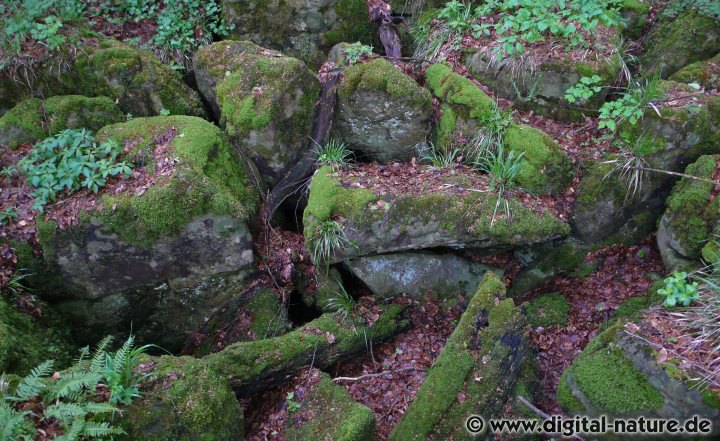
[304, 29]
[264, 100]
[466, 109]
[186, 401]
[678, 41]
[544, 263]
[33, 119]
[617, 375]
[481, 359]
[336, 416]
[691, 218]
[165, 259]
[705, 73]
[140, 83]
[669, 141]
[382, 113]
[417, 274]
[414, 222]
[542, 88]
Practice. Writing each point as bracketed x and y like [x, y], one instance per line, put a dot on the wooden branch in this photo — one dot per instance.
[540, 413]
[379, 374]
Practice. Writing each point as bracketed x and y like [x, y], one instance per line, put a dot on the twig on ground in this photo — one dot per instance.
[379, 374]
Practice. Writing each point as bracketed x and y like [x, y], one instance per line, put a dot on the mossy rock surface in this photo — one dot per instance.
[265, 101]
[182, 243]
[301, 29]
[141, 84]
[548, 310]
[186, 401]
[336, 416]
[691, 218]
[705, 73]
[481, 359]
[382, 113]
[636, 14]
[414, 222]
[676, 42]
[617, 375]
[33, 119]
[465, 108]
[542, 87]
[25, 342]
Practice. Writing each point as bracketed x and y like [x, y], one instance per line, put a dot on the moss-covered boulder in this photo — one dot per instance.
[617, 375]
[137, 80]
[382, 114]
[392, 222]
[165, 257]
[335, 416]
[677, 41]
[26, 342]
[33, 119]
[304, 29]
[183, 400]
[418, 274]
[254, 366]
[692, 216]
[668, 141]
[704, 73]
[475, 372]
[544, 262]
[466, 109]
[317, 293]
[542, 87]
[264, 100]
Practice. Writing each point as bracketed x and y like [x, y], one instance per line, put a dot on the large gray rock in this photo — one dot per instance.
[442, 276]
[159, 261]
[304, 29]
[669, 141]
[382, 113]
[263, 99]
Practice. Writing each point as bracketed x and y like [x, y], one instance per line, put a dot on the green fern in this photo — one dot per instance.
[33, 385]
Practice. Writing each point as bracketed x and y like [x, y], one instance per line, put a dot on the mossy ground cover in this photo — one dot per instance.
[548, 310]
[381, 75]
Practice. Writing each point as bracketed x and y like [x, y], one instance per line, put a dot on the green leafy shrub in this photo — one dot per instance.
[585, 89]
[708, 8]
[70, 398]
[355, 52]
[69, 161]
[630, 106]
[678, 291]
[334, 153]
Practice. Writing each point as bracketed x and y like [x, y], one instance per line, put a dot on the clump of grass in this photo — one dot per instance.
[491, 134]
[327, 239]
[343, 304]
[442, 158]
[503, 169]
[333, 152]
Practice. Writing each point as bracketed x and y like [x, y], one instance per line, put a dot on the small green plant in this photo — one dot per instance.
[68, 162]
[708, 8]
[503, 170]
[584, 90]
[442, 159]
[630, 106]
[69, 398]
[7, 214]
[490, 135]
[355, 52]
[343, 304]
[293, 406]
[15, 285]
[327, 239]
[164, 112]
[334, 153]
[678, 291]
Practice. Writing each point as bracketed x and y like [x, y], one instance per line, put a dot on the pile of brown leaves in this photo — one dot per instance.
[623, 273]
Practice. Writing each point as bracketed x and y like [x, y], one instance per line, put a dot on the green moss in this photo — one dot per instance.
[471, 350]
[565, 397]
[691, 214]
[546, 168]
[352, 24]
[188, 402]
[22, 124]
[381, 75]
[335, 415]
[548, 310]
[705, 73]
[599, 183]
[26, 342]
[207, 179]
[609, 380]
[467, 99]
[636, 15]
[267, 315]
[711, 252]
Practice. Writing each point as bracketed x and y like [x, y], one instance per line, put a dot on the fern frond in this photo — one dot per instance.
[73, 432]
[122, 355]
[65, 413]
[13, 425]
[100, 408]
[73, 383]
[84, 353]
[98, 359]
[33, 385]
[100, 430]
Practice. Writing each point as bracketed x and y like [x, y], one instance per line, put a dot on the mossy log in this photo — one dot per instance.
[252, 367]
[480, 363]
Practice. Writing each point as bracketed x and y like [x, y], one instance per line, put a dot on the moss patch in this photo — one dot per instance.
[383, 76]
[548, 310]
[335, 416]
[208, 178]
